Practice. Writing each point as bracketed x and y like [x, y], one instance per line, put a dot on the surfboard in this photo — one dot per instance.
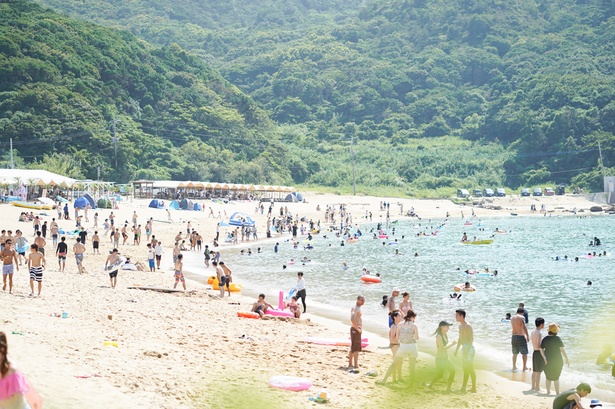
[115, 266]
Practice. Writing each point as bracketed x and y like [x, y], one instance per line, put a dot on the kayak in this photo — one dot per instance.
[478, 242]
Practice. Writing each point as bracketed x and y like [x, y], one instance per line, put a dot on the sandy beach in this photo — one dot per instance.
[127, 348]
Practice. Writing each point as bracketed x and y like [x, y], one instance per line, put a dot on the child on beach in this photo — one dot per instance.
[442, 362]
[179, 274]
[294, 307]
[150, 257]
[36, 265]
[95, 242]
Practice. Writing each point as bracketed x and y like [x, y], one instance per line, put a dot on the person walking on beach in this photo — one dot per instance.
[8, 257]
[36, 265]
[79, 250]
[159, 252]
[40, 242]
[520, 338]
[228, 277]
[95, 243]
[61, 252]
[112, 264]
[442, 362]
[301, 290]
[221, 277]
[571, 399]
[391, 306]
[466, 343]
[151, 256]
[179, 272]
[408, 334]
[538, 362]
[552, 349]
[356, 330]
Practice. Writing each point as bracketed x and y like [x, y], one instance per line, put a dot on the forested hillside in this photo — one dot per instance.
[435, 94]
[66, 84]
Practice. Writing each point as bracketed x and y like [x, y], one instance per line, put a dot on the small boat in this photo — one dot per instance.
[35, 206]
[478, 242]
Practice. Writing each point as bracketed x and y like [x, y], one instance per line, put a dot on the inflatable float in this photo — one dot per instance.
[248, 314]
[383, 236]
[290, 383]
[462, 287]
[352, 240]
[338, 342]
[478, 242]
[371, 279]
[235, 288]
[35, 206]
[279, 312]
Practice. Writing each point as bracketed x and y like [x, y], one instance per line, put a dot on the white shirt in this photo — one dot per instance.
[150, 254]
[300, 284]
[159, 250]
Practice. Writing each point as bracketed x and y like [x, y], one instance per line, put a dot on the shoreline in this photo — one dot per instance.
[172, 346]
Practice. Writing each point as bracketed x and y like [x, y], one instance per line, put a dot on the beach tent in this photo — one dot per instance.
[186, 204]
[174, 205]
[156, 204]
[80, 203]
[61, 199]
[90, 199]
[239, 219]
[46, 200]
[197, 206]
[291, 198]
[104, 203]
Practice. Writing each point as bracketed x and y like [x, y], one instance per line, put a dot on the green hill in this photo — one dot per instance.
[435, 94]
[64, 83]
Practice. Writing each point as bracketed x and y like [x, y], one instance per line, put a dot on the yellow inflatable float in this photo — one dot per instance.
[235, 288]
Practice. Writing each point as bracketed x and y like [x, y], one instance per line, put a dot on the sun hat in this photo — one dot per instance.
[554, 328]
[444, 324]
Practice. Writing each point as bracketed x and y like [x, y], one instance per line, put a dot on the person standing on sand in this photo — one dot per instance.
[36, 265]
[179, 273]
[552, 349]
[112, 263]
[159, 252]
[79, 250]
[442, 362]
[520, 338]
[54, 228]
[538, 362]
[40, 242]
[61, 251]
[356, 329]
[228, 277]
[221, 278]
[391, 304]
[20, 243]
[301, 290]
[151, 256]
[408, 334]
[8, 257]
[95, 243]
[466, 342]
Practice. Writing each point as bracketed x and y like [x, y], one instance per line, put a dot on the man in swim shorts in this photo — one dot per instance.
[520, 338]
[260, 306]
[8, 257]
[79, 250]
[356, 329]
[179, 274]
[538, 362]
[112, 264]
[466, 342]
[36, 265]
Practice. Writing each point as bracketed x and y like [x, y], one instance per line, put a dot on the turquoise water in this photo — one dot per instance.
[523, 256]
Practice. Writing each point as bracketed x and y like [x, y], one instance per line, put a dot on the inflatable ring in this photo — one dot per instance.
[371, 279]
[248, 314]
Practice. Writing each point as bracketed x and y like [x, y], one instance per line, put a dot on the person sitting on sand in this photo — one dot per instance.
[294, 307]
[261, 306]
[571, 399]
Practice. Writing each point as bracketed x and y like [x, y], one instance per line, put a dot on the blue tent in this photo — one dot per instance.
[156, 204]
[174, 205]
[241, 219]
[186, 204]
[90, 199]
[80, 203]
[198, 207]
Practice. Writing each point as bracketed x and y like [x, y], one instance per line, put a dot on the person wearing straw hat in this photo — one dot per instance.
[552, 350]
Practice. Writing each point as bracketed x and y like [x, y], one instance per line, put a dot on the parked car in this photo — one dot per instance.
[477, 193]
[549, 191]
[500, 192]
[488, 192]
[463, 193]
[560, 190]
[537, 191]
[525, 192]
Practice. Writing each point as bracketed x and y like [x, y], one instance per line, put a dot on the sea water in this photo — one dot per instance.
[523, 256]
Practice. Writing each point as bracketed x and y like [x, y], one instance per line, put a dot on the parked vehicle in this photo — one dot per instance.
[537, 191]
[549, 191]
[500, 192]
[525, 191]
[477, 193]
[463, 193]
[488, 192]
[560, 190]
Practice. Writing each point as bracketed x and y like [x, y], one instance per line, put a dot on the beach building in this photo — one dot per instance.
[169, 190]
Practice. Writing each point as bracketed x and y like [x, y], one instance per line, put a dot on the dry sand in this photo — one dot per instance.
[186, 350]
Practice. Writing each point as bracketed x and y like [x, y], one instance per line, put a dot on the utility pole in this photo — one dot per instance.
[601, 163]
[114, 140]
[354, 184]
[12, 164]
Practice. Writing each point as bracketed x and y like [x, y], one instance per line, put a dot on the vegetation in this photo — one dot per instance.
[427, 94]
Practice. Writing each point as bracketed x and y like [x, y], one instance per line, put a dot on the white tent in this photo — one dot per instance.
[33, 177]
